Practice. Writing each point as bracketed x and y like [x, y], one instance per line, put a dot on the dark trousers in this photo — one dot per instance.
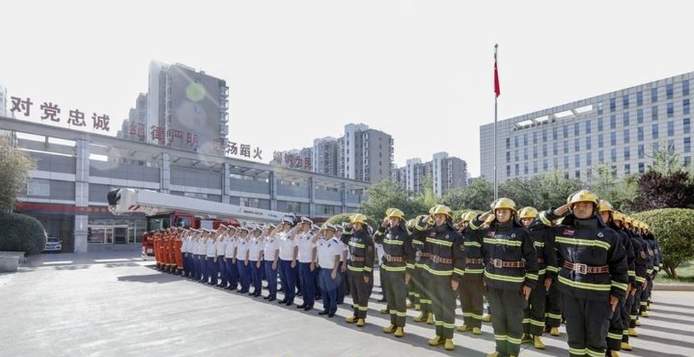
[635, 307]
[553, 307]
[211, 271]
[232, 273]
[271, 277]
[534, 321]
[587, 323]
[288, 279]
[645, 294]
[507, 319]
[186, 264]
[443, 300]
[360, 291]
[618, 324]
[328, 287]
[341, 287]
[199, 267]
[256, 276]
[471, 294]
[244, 275]
[395, 293]
[308, 279]
[421, 288]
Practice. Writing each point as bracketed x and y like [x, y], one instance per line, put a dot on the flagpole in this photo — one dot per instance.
[496, 96]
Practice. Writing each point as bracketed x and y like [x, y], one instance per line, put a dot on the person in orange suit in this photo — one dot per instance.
[156, 242]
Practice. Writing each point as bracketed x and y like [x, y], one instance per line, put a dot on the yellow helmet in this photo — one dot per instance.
[583, 196]
[605, 206]
[358, 218]
[440, 209]
[528, 212]
[395, 213]
[618, 216]
[469, 216]
[504, 202]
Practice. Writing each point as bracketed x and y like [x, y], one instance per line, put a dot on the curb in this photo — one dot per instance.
[673, 287]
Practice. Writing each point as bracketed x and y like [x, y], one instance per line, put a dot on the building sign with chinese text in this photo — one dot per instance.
[54, 113]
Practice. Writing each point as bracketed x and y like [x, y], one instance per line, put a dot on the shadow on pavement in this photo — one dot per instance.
[152, 278]
[672, 305]
[668, 330]
[690, 314]
[665, 341]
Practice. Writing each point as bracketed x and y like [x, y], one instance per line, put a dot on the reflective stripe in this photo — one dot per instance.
[531, 276]
[501, 241]
[459, 271]
[360, 308]
[544, 220]
[473, 271]
[472, 244]
[553, 269]
[592, 353]
[631, 273]
[500, 337]
[357, 245]
[515, 341]
[511, 279]
[437, 272]
[358, 269]
[542, 272]
[395, 269]
[538, 244]
[640, 279]
[473, 226]
[398, 313]
[583, 242]
[577, 351]
[425, 301]
[409, 266]
[586, 286]
[393, 241]
[440, 242]
[614, 336]
[537, 323]
[618, 285]
[553, 316]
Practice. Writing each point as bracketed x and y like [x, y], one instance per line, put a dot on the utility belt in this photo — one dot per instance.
[498, 263]
[474, 261]
[586, 269]
[441, 260]
[392, 259]
[358, 259]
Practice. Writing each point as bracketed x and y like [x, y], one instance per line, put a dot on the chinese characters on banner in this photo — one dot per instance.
[243, 151]
[293, 161]
[51, 111]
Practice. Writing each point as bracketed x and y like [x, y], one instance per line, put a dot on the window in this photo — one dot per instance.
[566, 146]
[626, 136]
[654, 113]
[639, 98]
[687, 161]
[566, 162]
[668, 91]
[554, 133]
[613, 121]
[641, 151]
[555, 163]
[577, 161]
[534, 167]
[627, 169]
[686, 125]
[544, 150]
[577, 145]
[625, 101]
[600, 143]
[565, 129]
[515, 141]
[508, 156]
[654, 95]
[639, 133]
[516, 170]
[670, 128]
[588, 127]
[655, 147]
[577, 174]
[554, 148]
[600, 124]
[534, 137]
[515, 156]
[642, 167]
[613, 104]
[639, 116]
[534, 152]
[654, 131]
[588, 143]
[508, 143]
[589, 159]
[625, 118]
[525, 139]
[577, 129]
[544, 135]
[627, 154]
[671, 146]
[613, 155]
[508, 170]
[685, 87]
[685, 106]
[525, 168]
[670, 110]
[525, 153]
[545, 165]
[601, 157]
[613, 138]
[687, 144]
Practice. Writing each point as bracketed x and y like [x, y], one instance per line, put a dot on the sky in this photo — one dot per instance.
[298, 70]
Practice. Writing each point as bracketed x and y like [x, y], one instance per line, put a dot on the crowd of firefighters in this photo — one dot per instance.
[584, 264]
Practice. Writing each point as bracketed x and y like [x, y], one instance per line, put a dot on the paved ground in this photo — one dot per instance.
[114, 304]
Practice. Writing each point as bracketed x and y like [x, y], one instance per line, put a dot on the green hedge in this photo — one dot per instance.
[20, 232]
[674, 230]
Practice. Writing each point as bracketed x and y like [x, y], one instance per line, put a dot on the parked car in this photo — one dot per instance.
[53, 245]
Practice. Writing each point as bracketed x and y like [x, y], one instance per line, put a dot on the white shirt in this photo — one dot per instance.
[220, 245]
[270, 248]
[327, 250]
[242, 248]
[345, 251]
[286, 247]
[254, 249]
[306, 245]
[200, 247]
[379, 251]
[229, 247]
[211, 248]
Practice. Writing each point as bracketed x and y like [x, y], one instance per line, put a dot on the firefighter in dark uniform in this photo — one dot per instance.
[440, 281]
[510, 273]
[593, 272]
[412, 293]
[359, 267]
[638, 275]
[534, 321]
[423, 294]
[620, 318]
[397, 253]
[650, 270]
[471, 291]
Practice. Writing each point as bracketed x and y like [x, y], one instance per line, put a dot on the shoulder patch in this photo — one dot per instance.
[513, 235]
[601, 235]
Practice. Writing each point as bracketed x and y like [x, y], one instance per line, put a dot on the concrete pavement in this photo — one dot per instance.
[115, 304]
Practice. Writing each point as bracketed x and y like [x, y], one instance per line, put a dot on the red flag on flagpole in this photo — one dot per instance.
[497, 87]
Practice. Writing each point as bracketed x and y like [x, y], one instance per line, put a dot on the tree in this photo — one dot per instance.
[14, 170]
[541, 191]
[22, 233]
[477, 196]
[620, 193]
[387, 194]
[659, 191]
[673, 228]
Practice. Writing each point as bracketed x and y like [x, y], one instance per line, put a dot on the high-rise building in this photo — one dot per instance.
[399, 176]
[446, 172]
[3, 101]
[620, 129]
[325, 157]
[365, 154]
[135, 127]
[187, 109]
